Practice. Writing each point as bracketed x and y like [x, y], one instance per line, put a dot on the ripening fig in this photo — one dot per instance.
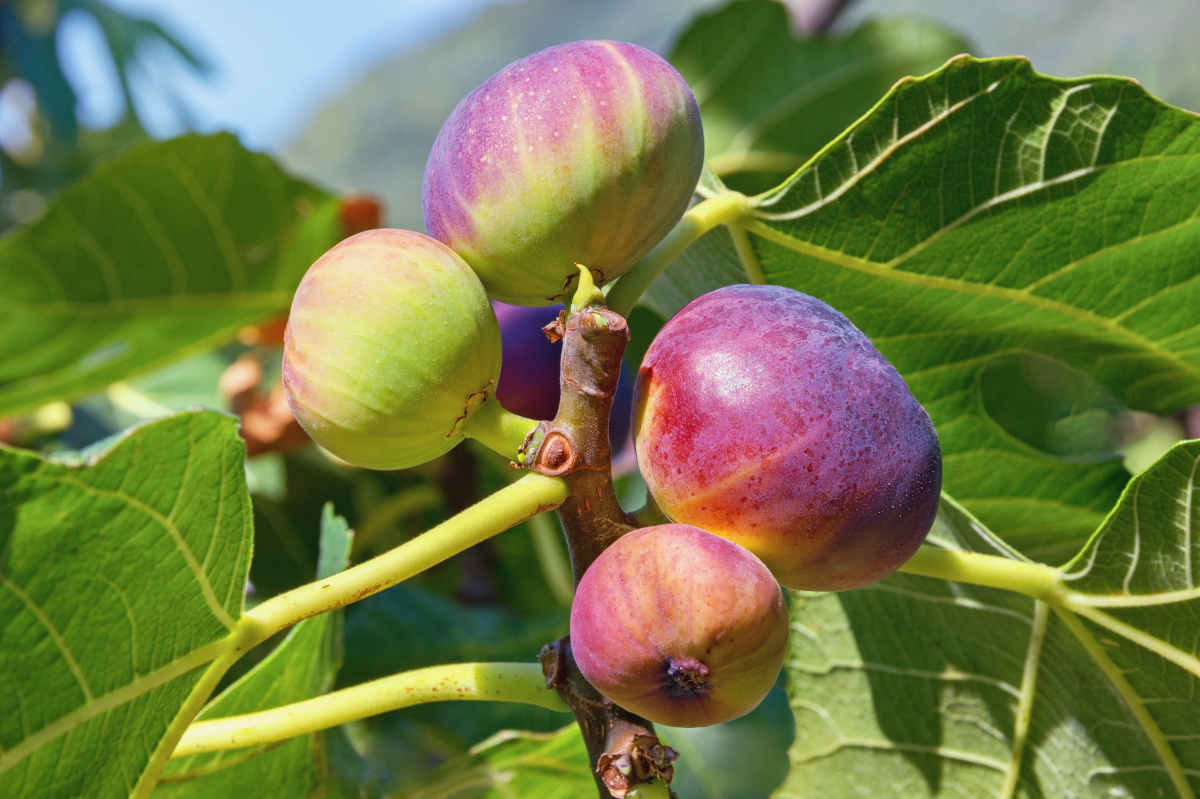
[586, 152]
[679, 626]
[390, 348]
[529, 365]
[529, 369]
[765, 416]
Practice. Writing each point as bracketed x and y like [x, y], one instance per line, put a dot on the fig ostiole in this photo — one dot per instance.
[392, 352]
[679, 626]
[765, 416]
[586, 152]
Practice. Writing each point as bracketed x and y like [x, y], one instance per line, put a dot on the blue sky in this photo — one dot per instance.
[274, 61]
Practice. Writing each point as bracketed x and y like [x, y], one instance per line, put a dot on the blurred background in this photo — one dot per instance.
[351, 95]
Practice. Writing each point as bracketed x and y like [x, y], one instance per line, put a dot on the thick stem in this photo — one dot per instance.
[506, 508]
[178, 728]
[1032, 579]
[575, 443]
[483, 682]
[722, 209]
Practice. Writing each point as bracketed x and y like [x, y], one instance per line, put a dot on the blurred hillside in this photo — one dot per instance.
[376, 135]
[1153, 41]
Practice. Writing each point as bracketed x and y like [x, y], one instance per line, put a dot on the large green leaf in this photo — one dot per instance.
[119, 581]
[936, 688]
[770, 99]
[984, 215]
[164, 250]
[301, 667]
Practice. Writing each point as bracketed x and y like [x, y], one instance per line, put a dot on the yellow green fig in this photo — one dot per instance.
[391, 349]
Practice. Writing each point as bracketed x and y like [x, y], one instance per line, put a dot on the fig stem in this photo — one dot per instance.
[1032, 579]
[575, 443]
[494, 514]
[586, 293]
[500, 430]
[730, 163]
[485, 682]
[722, 209]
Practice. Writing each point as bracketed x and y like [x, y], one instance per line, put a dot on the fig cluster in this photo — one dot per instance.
[780, 443]
[583, 153]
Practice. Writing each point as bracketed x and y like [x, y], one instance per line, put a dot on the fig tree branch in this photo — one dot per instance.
[1032, 579]
[623, 749]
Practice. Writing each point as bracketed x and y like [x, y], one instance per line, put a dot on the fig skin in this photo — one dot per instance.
[765, 416]
[390, 346]
[529, 369]
[586, 152]
[679, 626]
[529, 366]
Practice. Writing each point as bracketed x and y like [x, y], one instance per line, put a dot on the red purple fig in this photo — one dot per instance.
[765, 416]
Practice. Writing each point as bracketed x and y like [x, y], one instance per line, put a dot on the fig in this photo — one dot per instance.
[529, 369]
[586, 152]
[529, 364]
[679, 626]
[390, 349]
[765, 416]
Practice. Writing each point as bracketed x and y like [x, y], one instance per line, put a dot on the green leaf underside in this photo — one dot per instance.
[770, 100]
[939, 688]
[161, 251]
[118, 582]
[302, 666]
[985, 213]
[512, 764]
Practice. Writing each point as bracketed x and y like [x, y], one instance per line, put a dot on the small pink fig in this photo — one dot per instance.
[586, 152]
[679, 626]
[765, 416]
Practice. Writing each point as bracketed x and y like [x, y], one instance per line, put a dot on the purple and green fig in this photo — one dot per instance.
[391, 346]
[679, 626]
[586, 152]
[765, 416]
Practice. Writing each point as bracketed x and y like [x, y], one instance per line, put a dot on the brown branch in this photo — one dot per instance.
[575, 443]
[622, 747]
